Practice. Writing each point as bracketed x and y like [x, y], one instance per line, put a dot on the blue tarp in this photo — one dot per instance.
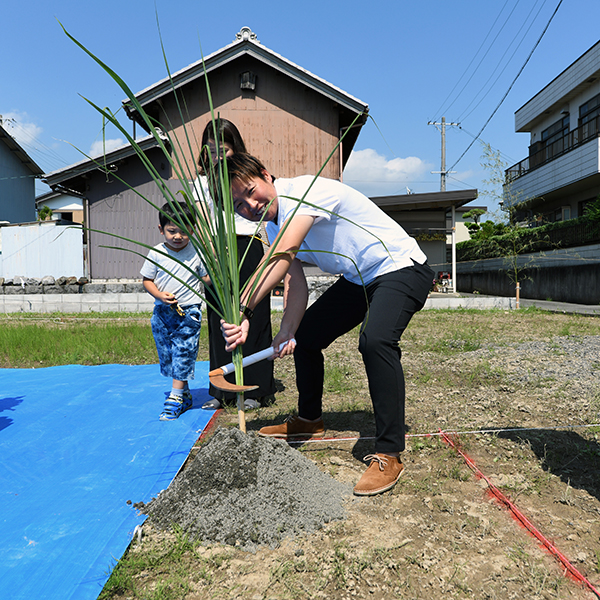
[76, 444]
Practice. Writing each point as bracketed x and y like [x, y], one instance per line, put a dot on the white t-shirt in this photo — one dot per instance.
[168, 267]
[202, 194]
[358, 235]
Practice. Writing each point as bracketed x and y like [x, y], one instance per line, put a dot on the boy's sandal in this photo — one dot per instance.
[174, 408]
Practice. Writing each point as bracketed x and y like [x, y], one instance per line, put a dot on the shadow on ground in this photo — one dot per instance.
[566, 454]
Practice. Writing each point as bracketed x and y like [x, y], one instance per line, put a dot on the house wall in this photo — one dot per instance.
[65, 204]
[290, 127]
[569, 86]
[17, 189]
[123, 213]
[574, 166]
[415, 222]
[570, 178]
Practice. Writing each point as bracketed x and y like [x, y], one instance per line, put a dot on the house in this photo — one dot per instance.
[561, 174]
[289, 117]
[65, 207]
[17, 181]
[115, 211]
[431, 218]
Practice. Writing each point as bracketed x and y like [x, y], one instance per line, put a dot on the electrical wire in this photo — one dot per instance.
[512, 84]
[507, 63]
[446, 109]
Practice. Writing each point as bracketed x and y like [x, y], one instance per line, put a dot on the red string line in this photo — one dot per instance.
[521, 518]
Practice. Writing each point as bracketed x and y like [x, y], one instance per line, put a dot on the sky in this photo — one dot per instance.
[474, 62]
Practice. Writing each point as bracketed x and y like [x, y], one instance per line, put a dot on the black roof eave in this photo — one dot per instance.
[426, 201]
[56, 178]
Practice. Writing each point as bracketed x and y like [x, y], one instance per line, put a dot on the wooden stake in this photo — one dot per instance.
[241, 413]
[518, 294]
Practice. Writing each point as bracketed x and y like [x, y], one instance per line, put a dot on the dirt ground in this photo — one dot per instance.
[522, 390]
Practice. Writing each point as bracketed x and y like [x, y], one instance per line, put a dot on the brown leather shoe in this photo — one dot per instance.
[295, 427]
[381, 475]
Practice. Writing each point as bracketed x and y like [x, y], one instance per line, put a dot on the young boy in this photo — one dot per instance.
[385, 280]
[177, 316]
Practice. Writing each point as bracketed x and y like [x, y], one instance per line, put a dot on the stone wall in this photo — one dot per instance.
[65, 285]
[73, 295]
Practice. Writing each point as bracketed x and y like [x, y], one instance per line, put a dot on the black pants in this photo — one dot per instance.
[391, 300]
[259, 336]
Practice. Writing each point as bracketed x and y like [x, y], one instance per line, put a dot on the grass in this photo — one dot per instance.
[450, 376]
[36, 341]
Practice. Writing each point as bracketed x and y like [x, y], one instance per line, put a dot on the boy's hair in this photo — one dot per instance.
[175, 212]
[244, 167]
[219, 131]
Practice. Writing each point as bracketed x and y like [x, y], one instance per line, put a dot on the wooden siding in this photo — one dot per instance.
[290, 127]
[122, 213]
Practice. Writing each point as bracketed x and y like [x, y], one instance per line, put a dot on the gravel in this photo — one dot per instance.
[247, 491]
[573, 361]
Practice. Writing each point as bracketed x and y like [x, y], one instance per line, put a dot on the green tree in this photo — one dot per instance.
[475, 214]
[503, 237]
[44, 213]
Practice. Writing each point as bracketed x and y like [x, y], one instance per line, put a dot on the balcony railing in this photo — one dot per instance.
[561, 146]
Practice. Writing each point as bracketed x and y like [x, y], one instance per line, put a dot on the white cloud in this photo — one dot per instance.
[100, 147]
[21, 128]
[375, 175]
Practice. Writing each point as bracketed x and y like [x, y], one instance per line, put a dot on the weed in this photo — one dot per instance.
[339, 567]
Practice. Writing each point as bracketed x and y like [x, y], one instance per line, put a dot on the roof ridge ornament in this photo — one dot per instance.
[246, 34]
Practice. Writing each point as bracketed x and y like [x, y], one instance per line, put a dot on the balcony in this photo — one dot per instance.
[570, 141]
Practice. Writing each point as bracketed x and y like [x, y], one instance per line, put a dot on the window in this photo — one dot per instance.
[556, 131]
[590, 109]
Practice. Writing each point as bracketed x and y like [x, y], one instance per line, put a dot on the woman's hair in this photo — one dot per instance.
[219, 131]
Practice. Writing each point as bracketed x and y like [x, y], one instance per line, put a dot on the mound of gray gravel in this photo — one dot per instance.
[245, 490]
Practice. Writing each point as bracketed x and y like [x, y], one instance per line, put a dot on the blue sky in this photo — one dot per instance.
[412, 62]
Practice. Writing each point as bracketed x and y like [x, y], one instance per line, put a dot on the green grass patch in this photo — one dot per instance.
[51, 340]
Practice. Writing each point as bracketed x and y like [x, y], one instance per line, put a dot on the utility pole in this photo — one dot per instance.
[443, 174]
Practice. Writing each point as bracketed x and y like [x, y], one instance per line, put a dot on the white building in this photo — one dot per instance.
[562, 172]
[63, 206]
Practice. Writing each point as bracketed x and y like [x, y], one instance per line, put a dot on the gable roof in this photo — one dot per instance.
[246, 44]
[18, 151]
[93, 163]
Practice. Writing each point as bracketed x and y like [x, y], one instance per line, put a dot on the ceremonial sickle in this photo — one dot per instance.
[217, 376]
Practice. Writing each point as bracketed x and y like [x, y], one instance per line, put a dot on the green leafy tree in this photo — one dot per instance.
[502, 237]
[592, 211]
[44, 213]
[475, 214]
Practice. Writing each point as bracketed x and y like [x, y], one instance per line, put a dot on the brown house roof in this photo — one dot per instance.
[246, 44]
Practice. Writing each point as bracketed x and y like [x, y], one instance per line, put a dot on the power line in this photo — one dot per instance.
[463, 116]
[33, 145]
[474, 57]
[512, 84]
